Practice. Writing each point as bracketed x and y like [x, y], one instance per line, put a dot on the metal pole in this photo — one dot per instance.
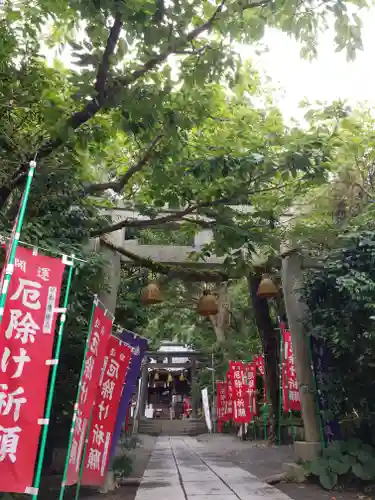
[63, 485]
[13, 243]
[43, 442]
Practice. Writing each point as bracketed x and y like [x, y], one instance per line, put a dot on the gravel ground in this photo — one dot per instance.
[264, 461]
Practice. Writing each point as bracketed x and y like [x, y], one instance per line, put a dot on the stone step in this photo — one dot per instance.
[172, 427]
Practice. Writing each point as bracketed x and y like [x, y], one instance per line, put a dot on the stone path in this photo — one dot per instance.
[182, 469]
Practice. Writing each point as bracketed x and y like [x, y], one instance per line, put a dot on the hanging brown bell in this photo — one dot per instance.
[151, 294]
[207, 304]
[267, 288]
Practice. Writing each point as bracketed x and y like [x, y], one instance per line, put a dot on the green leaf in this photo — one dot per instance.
[328, 479]
[340, 467]
[333, 450]
[364, 456]
[366, 471]
[352, 446]
[318, 466]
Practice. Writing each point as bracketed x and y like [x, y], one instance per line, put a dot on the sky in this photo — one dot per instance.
[327, 78]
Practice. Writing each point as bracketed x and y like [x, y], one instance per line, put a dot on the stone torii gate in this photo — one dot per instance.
[164, 254]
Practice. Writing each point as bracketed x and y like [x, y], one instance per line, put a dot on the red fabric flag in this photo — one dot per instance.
[291, 395]
[251, 371]
[99, 336]
[241, 398]
[104, 416]
[26, 343]
[221, 392]
[262, 370]
[229, 397]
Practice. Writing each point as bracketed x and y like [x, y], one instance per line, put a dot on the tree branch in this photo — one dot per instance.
[102, 75]
[96, 103]
[177, 45]
[170, 271]
[76, 120]
[176, 216]
[143, 224]
[121, 182]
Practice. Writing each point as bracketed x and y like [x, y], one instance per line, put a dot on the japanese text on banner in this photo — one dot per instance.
[221, 392]
[251, 372]
[260, 364]
[26, 343]
[241, 399]
[99, 336]
[291, 395]
[229, 397]
[107, 400]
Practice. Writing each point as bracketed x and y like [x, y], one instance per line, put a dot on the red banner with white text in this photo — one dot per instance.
[229, 398]
[26, 344]
[251, 373]
[115, 366]
[99, 335]
[284, 385]
[221, 393]
[259, 360]
[241, 399]
[291, 395]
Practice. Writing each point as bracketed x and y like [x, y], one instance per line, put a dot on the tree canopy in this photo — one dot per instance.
[144, 77]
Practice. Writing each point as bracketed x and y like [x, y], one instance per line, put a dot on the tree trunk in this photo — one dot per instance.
[221, 321]
[271, 347]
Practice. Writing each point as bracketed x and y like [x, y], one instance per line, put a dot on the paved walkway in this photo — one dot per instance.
[181, 469]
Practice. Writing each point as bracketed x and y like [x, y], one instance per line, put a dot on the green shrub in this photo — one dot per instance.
[351, 459]
[122, 466]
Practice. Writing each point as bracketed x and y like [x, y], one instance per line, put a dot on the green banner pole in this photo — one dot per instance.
[63, 483]
[13, 243]
[43, 442]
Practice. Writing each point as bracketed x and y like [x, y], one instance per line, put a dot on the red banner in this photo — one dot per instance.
[99, 336]
[284, 384]
[229, 398]
[260, 364]
[291, 395]
[104, 416]
[221, 392]
[26, 343]
[241, 399]
[251, 372]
